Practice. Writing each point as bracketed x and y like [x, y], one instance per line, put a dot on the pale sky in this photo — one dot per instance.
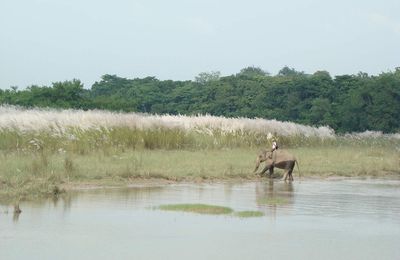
[44, 41]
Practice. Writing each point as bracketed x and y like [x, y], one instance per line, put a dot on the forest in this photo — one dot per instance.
[346, 103]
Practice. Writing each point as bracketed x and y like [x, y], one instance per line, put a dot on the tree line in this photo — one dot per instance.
[347, 103]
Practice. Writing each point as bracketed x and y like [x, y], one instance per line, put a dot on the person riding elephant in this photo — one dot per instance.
[280, 159]
[274, 147]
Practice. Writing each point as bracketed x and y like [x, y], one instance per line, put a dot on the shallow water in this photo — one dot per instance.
[343, 219]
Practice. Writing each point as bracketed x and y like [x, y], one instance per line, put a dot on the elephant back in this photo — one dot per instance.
[283, 155]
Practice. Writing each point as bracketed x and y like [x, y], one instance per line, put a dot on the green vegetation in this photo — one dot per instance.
[27, 174]
[249, 214]
[44, 152]
[210, 210]
[273, 201]
[198, 208]
[347, 103]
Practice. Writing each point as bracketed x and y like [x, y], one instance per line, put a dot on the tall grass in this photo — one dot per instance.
[81, 132]
[60, 121]
[43, 148]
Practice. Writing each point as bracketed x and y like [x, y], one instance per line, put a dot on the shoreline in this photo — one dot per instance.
[77, 186]
[31, 176]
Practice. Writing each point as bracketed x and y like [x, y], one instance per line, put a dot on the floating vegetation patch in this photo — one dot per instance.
[210, 210]
[249, 214]
[198, 208]
[273, 201]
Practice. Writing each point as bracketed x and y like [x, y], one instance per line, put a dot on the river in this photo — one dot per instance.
[308, 219]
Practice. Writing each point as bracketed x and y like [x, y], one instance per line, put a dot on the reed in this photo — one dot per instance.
[45, 149]
[81, 132]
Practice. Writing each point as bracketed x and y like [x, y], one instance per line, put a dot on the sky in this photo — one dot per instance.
[45, 41]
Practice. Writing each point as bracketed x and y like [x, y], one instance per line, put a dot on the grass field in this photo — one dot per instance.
[43, 152]
[30, 175]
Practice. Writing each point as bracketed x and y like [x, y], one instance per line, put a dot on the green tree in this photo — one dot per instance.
[206, 77]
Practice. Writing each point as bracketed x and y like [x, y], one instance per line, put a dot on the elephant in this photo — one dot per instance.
[280, 159]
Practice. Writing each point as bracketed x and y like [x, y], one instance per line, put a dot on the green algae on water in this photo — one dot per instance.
[249, 214]
[198, 208]
[273, 201]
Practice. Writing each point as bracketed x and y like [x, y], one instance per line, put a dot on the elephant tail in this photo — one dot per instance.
[298, 168]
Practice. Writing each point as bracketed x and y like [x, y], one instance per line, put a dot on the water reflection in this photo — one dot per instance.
[357, 215]
[273, 198]
[16, 216]
[63, 201]
[272, 195]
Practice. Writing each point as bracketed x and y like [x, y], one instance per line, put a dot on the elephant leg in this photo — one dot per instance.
[266, 168]
[285, 175]
[291, 172]
[271, 171]
[290, 175]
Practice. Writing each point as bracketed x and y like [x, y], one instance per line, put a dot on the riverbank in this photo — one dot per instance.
[29, 175]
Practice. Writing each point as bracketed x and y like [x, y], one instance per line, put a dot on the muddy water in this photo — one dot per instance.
[343, 219]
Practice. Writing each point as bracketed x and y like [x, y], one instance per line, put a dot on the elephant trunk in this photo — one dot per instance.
[257, 164]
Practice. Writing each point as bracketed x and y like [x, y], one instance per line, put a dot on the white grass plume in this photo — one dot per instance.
[21, 119]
